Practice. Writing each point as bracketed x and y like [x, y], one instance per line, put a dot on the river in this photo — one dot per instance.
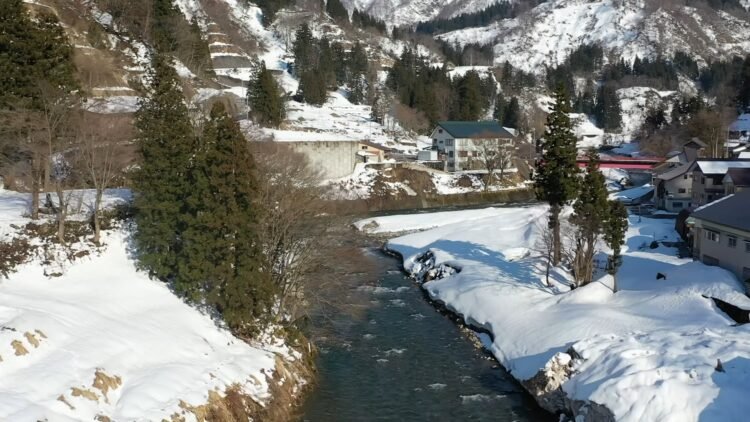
[388, 354]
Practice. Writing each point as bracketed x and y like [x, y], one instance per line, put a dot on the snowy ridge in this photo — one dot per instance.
[546, 35]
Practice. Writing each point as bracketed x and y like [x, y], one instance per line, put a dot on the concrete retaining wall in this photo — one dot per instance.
[333, 159]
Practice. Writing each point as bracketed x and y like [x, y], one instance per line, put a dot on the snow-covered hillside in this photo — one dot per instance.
[410, 12]
[101, 341]
[546, 35]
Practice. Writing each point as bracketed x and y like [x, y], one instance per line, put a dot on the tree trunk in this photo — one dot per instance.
[97, 222]
[554, 222]
[35, 185]
[62, 208]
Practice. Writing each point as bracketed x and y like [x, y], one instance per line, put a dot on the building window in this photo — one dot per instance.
[440, 130]
[676, 204]
[709, 260]
[450, 154]
[711, 235]
[732, 241]
[703, 180]
[684, 177]
[747, 246]
[681, 190]
[463, 153]
[449, 142]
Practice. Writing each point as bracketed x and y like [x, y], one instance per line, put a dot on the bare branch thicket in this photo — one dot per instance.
[294, 224]
[545, 246]
[51, 162]
[493, 155]
[101, 144]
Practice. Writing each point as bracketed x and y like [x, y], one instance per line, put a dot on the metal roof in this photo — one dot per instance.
[718, 165]
[674, 172]
[739, 176]
[730, 211]
[476, 130]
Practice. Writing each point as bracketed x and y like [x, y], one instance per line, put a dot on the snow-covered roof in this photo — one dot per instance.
[728, 211]
[719, 166]
[741, 124]
[744, 155]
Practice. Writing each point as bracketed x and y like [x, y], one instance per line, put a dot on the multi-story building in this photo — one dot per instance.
[458, 143]
[721, 234]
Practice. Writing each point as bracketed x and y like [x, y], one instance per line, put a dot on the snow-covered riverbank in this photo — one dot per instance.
[647, 352]
[100, 340]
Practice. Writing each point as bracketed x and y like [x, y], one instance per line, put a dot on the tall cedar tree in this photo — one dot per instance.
[614, 235]
[590, 213]
[743, 93]
[166, 142]
[337, 11]
[265, 98]
[201, 54]
[163, 23]
[556, 175]
[512, 115]
[36, 71]
[468, 100]
[607, 109]
[303, 49]
[222, 250]
[312, 88]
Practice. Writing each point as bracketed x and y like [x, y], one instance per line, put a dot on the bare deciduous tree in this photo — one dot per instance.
[293, 228]
[100, 145]
[493, 155]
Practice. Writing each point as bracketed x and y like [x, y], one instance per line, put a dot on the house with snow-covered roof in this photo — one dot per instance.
[708, 178]
[674, 189]
[739, 130]
[457, 142]
[721, 234]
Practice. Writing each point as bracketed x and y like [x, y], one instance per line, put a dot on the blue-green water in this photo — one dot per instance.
[391, 356]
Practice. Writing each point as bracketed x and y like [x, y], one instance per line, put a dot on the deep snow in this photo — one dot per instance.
[102, 316]
[646, 350]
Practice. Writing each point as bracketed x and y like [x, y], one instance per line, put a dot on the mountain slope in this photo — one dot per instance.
[547, 34]
[410, 12]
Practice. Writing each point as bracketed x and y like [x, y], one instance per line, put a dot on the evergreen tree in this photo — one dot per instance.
[32, 52]
[303, 49]
[265, 98]
[312, 88]
[165, 140]
[468, 99]
[221, 255]
[337, 11]
[556, 175]
[607, 110]
[743, 93]
[162, 25]
[499, 111]
[512, 116]
[358, 92]
[590, 213]
[614, 235]
[201, 55]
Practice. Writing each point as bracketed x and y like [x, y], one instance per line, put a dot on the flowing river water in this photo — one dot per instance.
[387, 354]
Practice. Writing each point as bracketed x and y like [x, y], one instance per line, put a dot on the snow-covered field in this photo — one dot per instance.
[103, 340]
[646, 352]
